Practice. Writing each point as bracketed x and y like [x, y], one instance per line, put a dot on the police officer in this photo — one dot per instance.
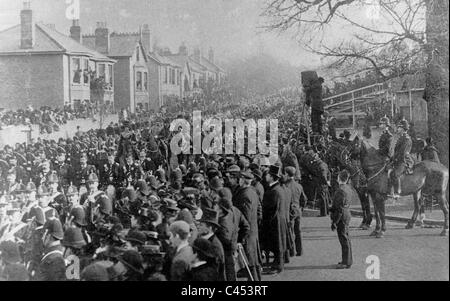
[63, 170]
[83, 171]
[131, 169]
[340, 218]
[386, 139]
[110, 171]
[402, 159]
[58, 200]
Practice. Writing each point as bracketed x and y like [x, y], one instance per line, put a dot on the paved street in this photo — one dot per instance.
[417, 254]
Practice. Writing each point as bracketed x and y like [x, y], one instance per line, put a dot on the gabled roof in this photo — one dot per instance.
[47, 40]
[120, 44]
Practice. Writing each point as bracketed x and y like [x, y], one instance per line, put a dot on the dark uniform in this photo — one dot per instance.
[340, 217]
[385, 143]
[52, 266]
[402, 159]
[109, 174]
[133, 171]
[82, 174]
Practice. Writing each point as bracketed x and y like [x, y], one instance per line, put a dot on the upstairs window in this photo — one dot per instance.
[110, 72]
[86, 71]
[145, 81]
[102, 71]
[137, 54]
[76, 71]
[139, 81]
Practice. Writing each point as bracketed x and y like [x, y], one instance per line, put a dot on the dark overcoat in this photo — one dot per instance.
[274, 219]
[247, 201]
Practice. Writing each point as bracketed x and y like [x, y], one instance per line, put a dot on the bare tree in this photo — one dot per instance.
[413, 37]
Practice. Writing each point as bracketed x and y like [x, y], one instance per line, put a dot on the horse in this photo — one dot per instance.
[428, 177]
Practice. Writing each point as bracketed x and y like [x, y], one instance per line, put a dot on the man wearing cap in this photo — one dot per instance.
[298, 202]
[181, 256]
[52, 266]
[234, 228]
[208, 225]
[340, 218]
[63, 170]
[386, 140]
[274, 219]
[232, 178]
[402, 160]
[247, 201]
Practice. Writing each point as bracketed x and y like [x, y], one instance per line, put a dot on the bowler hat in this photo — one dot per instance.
[275, 171]
[210, 216]
[132, 260]
[258, 174]
[233, 169]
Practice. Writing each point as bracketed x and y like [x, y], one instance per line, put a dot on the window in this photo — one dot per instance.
[165, 74]
[145, 81]
[101, 70]
[110, 72]
[76, 71]
[137, 54]
[173, 76]
[86, 71]
[139, 81]
[178, 78]
[170, 75]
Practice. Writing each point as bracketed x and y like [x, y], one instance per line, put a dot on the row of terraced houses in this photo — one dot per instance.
[44, 67]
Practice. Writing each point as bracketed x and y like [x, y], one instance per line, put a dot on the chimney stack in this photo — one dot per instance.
[102, 42]
[211, 55]
[146, 38]
[197, 55]
[26, 27]
[75, 30]
[182, 50]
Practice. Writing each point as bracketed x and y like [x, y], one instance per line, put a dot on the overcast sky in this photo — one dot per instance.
[229, 26]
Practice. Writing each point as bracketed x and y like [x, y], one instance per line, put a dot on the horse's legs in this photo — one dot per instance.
[382, 201]
[416, 197]
[444, 206]
[377, 214]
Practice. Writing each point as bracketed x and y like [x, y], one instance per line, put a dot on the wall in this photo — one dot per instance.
[122, 83]
[31, 79]
[154, 84]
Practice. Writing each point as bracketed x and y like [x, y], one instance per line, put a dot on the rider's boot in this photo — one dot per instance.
[394, 188]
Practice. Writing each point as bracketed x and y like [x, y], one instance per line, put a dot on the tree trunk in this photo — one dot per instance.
[436, 87]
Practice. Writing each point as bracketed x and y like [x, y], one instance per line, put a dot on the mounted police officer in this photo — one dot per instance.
[63, 170]
[386, 139]
[402, 160]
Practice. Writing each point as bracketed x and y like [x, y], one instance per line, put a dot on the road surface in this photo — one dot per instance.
[416, 254]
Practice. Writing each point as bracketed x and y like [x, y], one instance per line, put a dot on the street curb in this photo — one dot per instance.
[396, 218]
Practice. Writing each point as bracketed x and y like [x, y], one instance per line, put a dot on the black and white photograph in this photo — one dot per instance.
[221, 141]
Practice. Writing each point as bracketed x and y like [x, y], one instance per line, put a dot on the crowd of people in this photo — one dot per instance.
[48, 119]
[127, 208]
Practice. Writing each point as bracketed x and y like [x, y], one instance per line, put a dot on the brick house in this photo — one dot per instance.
[131, 71]
[43, 67]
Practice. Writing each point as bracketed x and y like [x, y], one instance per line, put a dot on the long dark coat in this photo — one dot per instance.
[274, 219]
[247, 201]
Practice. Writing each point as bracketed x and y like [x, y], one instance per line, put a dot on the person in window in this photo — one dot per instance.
[77, 76]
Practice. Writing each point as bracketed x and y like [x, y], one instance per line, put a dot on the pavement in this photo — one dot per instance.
[414, 254]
